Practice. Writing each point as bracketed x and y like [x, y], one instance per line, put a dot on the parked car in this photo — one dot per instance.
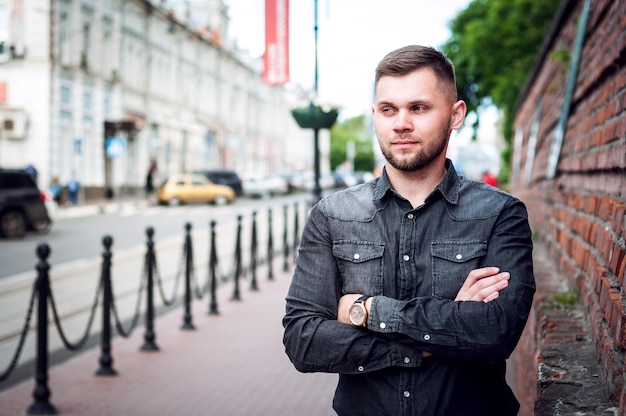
[305, 181]
[223, 177]
[22, 204]
[264, 186]
[192, 188]
[363, 176]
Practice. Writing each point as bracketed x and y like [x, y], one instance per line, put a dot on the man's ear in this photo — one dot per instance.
[459, 109]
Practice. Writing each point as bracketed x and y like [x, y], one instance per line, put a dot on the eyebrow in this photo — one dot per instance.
[410, 103]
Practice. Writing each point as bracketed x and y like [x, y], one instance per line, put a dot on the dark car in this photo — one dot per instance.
[223, 177]
[22, 206]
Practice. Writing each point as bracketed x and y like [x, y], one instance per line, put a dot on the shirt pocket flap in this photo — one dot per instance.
[458, 251]
[357, 252]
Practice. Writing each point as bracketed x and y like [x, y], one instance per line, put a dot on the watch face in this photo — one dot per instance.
[357, 314]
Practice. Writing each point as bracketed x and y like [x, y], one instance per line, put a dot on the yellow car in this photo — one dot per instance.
[190, 188]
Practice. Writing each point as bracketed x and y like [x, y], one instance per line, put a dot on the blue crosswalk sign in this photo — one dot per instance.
[115, 147]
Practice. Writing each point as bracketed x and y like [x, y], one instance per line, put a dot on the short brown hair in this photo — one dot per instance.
[413, 57]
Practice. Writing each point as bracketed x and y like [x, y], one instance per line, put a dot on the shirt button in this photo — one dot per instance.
[383, 325]
[407, 394]
[410, 216]
[407, 360]
[361, 368]
[357, 256]
[459, 256]
[427, 337]
[406, 257]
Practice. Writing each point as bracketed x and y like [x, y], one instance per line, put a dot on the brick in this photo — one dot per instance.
[619, 214]
[605, 297]
[621, 274]
[603, 210]
[616, 257]
[618, 319]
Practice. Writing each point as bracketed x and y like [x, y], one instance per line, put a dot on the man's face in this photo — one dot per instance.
[413, 118]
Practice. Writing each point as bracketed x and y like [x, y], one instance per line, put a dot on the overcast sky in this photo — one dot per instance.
[353, 36]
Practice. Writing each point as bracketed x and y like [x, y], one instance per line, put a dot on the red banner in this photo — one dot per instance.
[276, 57]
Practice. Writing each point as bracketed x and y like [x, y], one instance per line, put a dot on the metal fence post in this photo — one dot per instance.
[270, 247]
[296, 239]
[236, 294]
[106, 359]
[41, 393]
[253, 253]
[187, 319]
[285, 238]
[212, 265]
[149, 336]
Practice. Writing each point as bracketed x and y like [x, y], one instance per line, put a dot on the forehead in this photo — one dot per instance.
[421, 84]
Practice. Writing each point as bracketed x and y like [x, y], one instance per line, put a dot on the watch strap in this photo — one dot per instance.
[362, 299]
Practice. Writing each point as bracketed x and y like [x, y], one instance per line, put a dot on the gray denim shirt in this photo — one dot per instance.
[367, 239]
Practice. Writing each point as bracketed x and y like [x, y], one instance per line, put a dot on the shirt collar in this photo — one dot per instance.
[448, 187]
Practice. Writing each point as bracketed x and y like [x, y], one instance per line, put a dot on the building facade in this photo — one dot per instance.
[103, 88]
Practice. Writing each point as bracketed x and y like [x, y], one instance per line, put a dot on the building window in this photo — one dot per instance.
[65, 48]
[87, 102]
[66, 95]
[86, 44]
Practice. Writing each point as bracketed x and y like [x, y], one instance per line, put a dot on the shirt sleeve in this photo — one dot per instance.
[470, 330]
[314, 340]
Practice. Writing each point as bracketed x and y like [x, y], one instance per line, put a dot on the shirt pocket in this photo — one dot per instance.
[451, 262]
[361, 266]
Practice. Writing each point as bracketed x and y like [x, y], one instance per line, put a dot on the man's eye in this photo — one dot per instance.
[418, 108]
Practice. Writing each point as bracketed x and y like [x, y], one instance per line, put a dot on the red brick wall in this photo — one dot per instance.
[579, 215]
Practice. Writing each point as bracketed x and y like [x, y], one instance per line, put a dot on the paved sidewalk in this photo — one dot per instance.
[103, 206]
[232, 364]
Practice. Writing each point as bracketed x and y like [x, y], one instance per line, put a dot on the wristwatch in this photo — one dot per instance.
[358, 313]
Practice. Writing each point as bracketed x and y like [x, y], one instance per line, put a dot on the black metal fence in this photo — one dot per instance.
[151, 281]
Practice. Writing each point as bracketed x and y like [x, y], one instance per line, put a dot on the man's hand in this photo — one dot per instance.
[483, 285]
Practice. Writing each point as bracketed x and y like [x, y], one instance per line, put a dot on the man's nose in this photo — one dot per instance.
[403, 121]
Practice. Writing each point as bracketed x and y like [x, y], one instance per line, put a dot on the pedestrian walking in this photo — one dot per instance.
[56, 189]
[150, 176]
[414, 287]
[73, 186]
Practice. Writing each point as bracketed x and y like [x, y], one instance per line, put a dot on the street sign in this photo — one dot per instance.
[115, 147]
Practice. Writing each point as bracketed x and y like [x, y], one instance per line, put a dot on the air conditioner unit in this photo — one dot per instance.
[14, 126]
[18, 51]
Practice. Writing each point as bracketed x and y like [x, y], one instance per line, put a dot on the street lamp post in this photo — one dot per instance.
[315, 117]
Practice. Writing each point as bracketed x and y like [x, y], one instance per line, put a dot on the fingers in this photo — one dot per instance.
[477, 274]
[483, 284]
[492, 292]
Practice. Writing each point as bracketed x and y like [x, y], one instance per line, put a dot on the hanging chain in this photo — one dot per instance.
[6, 373]
[81, 343]
[125, 333]
[170, 301]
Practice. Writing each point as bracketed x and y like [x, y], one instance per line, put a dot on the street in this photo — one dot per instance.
[80, 239]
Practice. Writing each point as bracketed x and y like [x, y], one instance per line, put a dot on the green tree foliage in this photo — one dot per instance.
[354, 130]
[493, 45]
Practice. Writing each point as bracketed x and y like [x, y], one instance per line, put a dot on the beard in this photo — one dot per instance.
[423, 157]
